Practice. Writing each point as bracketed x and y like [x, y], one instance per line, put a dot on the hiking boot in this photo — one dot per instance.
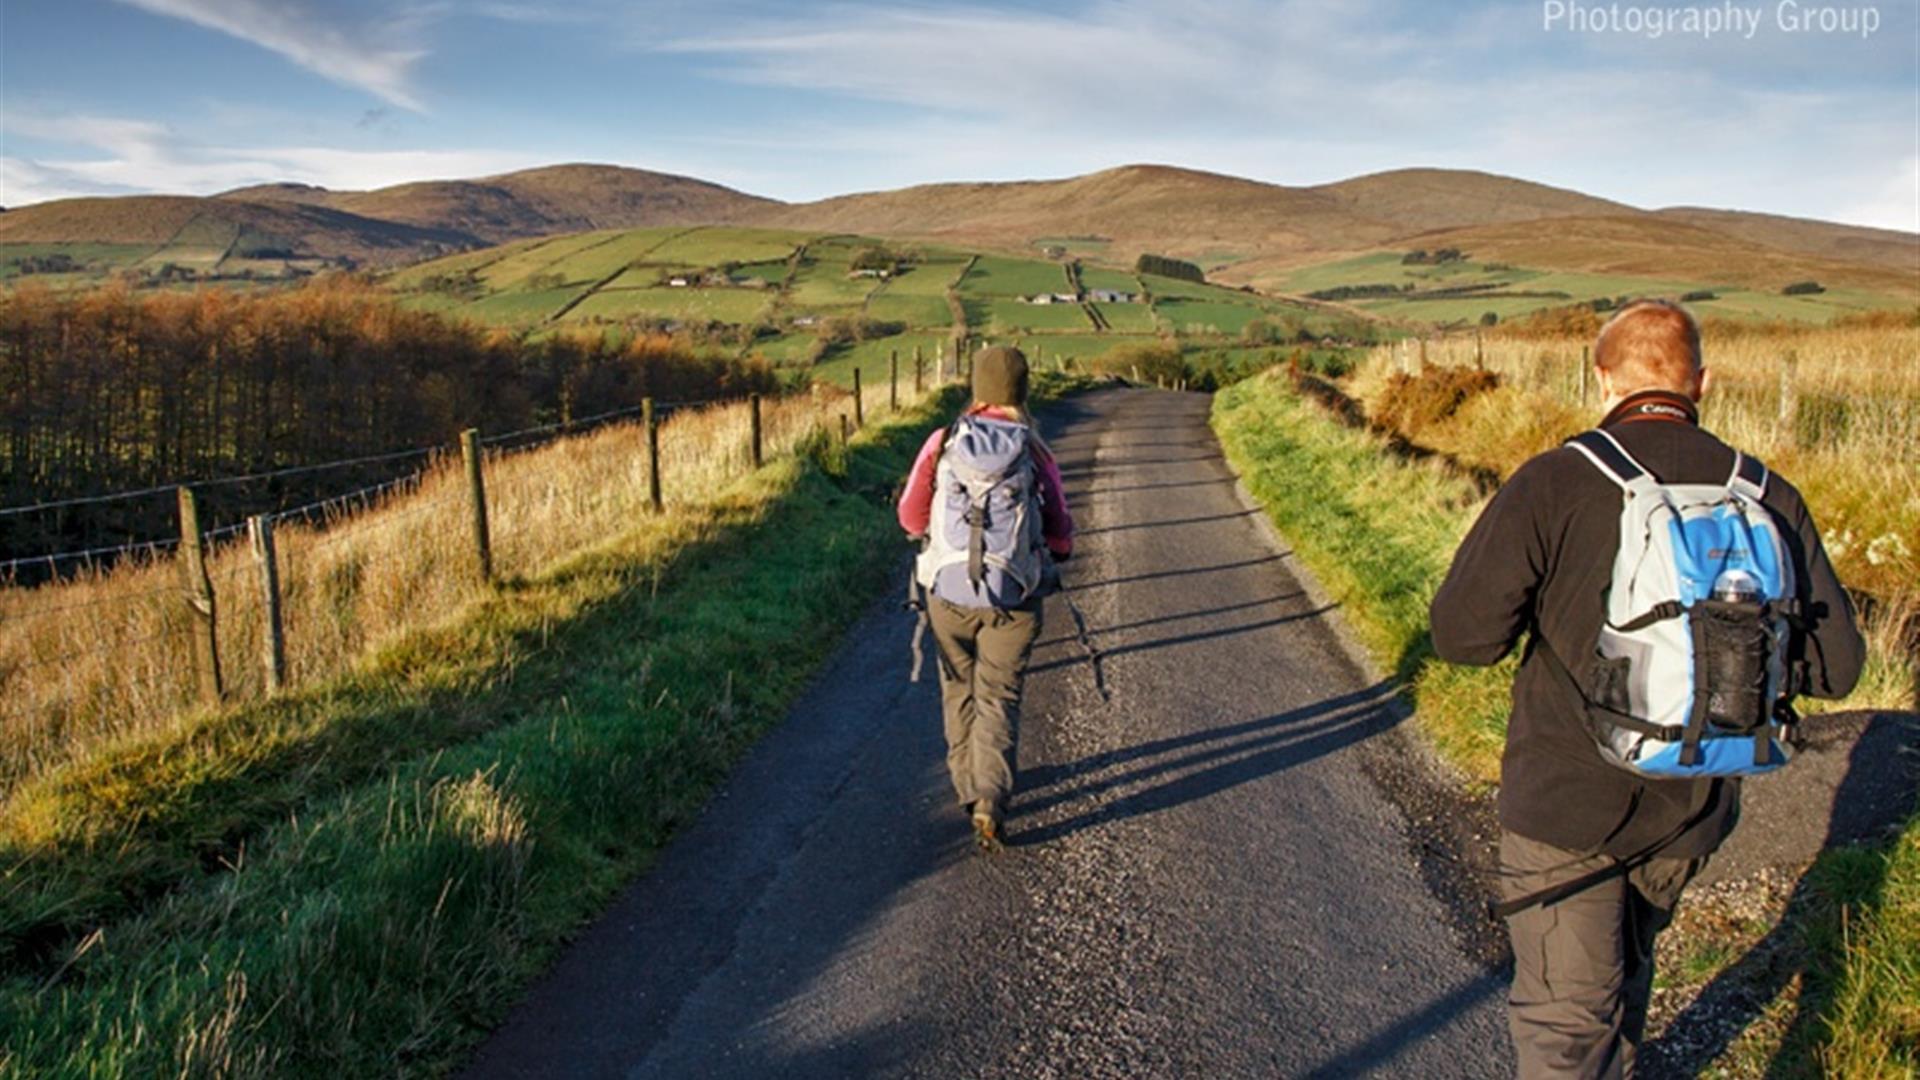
[986, 825]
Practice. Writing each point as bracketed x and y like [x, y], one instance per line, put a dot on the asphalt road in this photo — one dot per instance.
[1201, 880]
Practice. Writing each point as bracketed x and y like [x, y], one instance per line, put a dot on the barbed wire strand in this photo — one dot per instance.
[220, 481]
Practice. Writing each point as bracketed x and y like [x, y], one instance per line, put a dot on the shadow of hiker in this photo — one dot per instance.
[1179, 639]
[1877, 791]
[1141, 624]
[1201, 763]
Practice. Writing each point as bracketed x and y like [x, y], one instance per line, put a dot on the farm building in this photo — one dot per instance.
[1051, 298]
[1111, 296]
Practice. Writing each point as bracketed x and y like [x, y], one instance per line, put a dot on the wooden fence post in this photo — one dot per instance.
[193, 563]
[893, 382]
[274, 647]
[477, 498]
[919, 372]
[753, 416]
[859, 400]
[1786, 386]
[1479, 356]
[652, 421]
[846, 430]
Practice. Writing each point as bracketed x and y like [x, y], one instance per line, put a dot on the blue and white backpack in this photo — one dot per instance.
[985, 547]
[1691, 676]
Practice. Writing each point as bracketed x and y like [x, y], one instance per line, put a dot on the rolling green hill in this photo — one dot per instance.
[796, 298]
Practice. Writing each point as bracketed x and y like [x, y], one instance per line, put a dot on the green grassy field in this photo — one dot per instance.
[1101, 277]
[915, 311]
[713, 245]
[520, 308]
[1169, 288]
[821, 283]
[773, 273]
[999, 276]
[726, 305]
[1206, 316]
[1127, 318]
[1007, 317]
[563, 256]
[875, 360]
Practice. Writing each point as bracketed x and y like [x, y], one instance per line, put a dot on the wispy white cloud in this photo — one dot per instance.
[1311, 90]
[1895, 205]
[356, 53]
[141, 156]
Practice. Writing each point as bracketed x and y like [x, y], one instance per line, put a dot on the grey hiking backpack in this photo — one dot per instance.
[1692, 677]
[984, 545]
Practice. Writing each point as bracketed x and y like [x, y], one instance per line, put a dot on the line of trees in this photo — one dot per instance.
[107, 390]
[1167, 266]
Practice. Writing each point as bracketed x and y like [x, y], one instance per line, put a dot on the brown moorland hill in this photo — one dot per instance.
[533, 202]
[1890, 248]
[161, 220]
[1136, 208]
[1242, 230]
[1422, 200]
[1651, 245]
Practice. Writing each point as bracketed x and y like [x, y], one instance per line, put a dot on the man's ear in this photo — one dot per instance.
[1702, 382]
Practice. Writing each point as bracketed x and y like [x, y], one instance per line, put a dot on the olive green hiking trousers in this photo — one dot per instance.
[983, 662]
[1583, 967]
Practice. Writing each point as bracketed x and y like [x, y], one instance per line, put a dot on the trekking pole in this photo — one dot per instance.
[917, 603]
[1086, 643]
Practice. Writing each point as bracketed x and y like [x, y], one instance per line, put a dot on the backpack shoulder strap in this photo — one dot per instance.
[1749, 477]
[1611, 458]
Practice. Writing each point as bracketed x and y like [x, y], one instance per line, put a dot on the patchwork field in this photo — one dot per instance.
[800, 302]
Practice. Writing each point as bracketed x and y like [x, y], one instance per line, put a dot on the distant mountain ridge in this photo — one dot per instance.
[1245, 229]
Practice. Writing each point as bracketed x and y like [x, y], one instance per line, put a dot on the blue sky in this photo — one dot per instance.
[802, 100]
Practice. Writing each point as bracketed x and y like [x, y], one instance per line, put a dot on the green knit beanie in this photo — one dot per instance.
[1000, 376]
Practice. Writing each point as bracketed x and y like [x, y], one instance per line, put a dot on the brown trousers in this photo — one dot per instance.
[983, 661]
[1583, 967]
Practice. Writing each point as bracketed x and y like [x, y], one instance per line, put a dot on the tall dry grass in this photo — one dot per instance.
[107, 656]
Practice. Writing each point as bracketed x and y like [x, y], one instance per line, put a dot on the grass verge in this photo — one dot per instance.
[1378, 529]
[356, 879]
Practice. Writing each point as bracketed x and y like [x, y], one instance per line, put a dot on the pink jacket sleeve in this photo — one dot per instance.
[916, 502]
[1056, 521]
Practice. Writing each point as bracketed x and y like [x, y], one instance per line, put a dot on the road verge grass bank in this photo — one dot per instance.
[1378, 528]
[1377, 531]
[357, 879]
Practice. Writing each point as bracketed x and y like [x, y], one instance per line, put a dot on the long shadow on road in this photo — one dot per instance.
[1251, 750]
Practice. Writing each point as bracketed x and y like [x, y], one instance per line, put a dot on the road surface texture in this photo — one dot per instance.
[1201, 880]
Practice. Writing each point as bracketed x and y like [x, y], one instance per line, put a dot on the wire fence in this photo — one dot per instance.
[137, 633]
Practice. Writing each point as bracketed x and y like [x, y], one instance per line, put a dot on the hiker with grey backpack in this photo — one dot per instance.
[986, 501]
[1675, 598]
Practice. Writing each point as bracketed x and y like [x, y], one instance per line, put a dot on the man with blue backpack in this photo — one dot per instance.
[985, 498]
[1675, 597]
